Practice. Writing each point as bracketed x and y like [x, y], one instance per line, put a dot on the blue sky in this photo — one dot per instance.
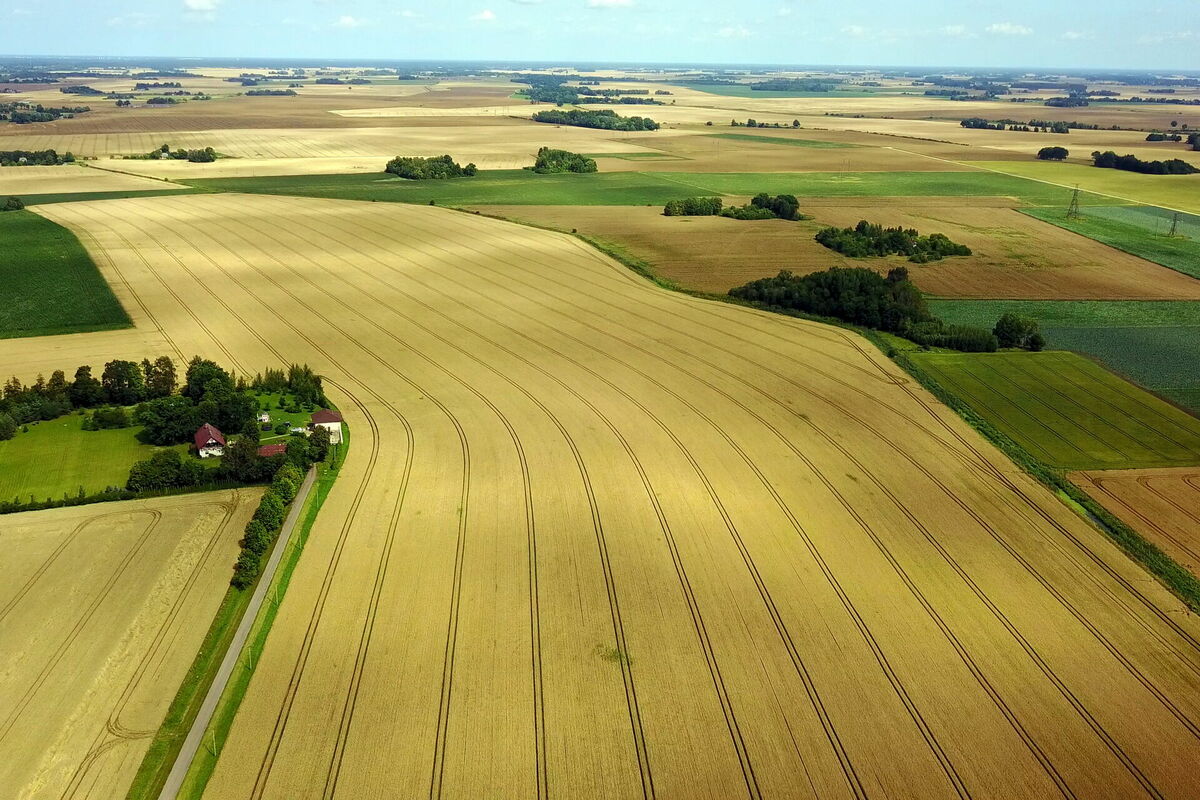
[1036, 33]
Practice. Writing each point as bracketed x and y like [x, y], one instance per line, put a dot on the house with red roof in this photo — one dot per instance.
[268, 450]
[330, 421]
[209, 441]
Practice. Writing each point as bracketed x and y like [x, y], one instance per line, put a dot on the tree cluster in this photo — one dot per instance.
[88, 90]
[11, 204]
[1131, 163]
[605, 119]
[271, 93]
[1156, 136]
[41, 158]
[205, 156]
[420, 169]
[869, 239]
[1013, 330]
[550, 160]
[795, 85]
[24, 113]
[693, 207]
[149, 87]
[1053, 153]
[863, 297]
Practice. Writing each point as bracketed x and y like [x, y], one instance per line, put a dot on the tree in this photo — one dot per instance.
[123, 382]
[1036, 342]
[159, 376]
[166, 469]
[1053, 153]
[8, 427]
[57, 386]
[167, 420]
[12, 204]
[1013, 330]
[240, 462]
[318, 444]
[795, 123]
[85, 390]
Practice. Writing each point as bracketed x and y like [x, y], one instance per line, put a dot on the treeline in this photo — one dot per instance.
[421, 169]
[550, 160]
[604, 120]
[148, 87]
[753, 123]
[24, 113]
[863, 297]
[795, 85]
[271, 93]
[869, 239]
[1157, 136]
[1034, 125]
[761, 206]
[86, 90]
[1173, 166]
[553, 89]
[39, 158]
[1072, 101]
[197, 156]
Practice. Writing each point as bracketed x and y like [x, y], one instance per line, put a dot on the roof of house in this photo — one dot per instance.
[207, 433]
[325, 415]
[272, 450]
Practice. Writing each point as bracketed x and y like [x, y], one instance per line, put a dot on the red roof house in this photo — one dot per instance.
[209, 441]
[268, 450]
[325, 416]
[330, 421]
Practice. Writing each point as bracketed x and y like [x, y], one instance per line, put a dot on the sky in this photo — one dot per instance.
[1162, 35]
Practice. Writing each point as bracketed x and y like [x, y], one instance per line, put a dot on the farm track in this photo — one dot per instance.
[744, 549]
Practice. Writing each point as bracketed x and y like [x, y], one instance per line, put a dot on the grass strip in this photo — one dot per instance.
[783, 140]
[160, 757]
[76, 197]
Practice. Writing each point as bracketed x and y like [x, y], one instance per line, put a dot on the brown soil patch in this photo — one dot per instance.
[1161, 504]
[1015, 256]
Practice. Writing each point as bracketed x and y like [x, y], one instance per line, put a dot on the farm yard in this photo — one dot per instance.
[809, 503]
[102, 611]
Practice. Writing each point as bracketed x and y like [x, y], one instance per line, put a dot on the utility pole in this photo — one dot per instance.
[1174, 226]
[1073, 209]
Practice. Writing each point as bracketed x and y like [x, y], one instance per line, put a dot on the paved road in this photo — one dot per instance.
[196, 735]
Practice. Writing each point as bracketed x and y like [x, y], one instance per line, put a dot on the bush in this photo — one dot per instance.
[420, 169]
[110, 417]
[12, 204]
[8, 427]
[245, 571]
[1012, 330]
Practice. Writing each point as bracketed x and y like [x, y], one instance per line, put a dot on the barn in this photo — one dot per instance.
[209, 441]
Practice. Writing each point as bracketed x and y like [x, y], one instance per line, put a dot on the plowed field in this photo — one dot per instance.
[101, 612]
[599, 540]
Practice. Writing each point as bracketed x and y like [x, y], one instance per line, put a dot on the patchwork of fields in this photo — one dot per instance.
[596, 538]
[101, 613]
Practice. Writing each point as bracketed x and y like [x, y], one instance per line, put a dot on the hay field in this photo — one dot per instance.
[103, 609]
[595, 539]
[1161, 504]
[72, 178]
[1013, 256]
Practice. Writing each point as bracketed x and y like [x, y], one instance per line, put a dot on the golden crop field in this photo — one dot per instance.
[595, 539]
[101, 612]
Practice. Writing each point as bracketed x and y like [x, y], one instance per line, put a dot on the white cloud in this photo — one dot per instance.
[21, 12]
[784, 11]
[1073, 35]
[408, 13]
[1009, 29]
[956, 31]
[609, 3]
[734, 32]
[1159, 38]
[134, 19]
[856, 31]
[201, 5]
[487, 15]
[347, 21]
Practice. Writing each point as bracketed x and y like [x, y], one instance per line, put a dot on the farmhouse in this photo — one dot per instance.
[209, 441]
[268, 450]
[330, 421]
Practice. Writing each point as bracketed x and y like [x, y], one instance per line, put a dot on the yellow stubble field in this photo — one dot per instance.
[101, 612]
[597, 539]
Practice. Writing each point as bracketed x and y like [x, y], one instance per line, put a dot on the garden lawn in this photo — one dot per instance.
[58, 457]
[1155, 343]
[51, 285]
[1068, 411]
[524, 187]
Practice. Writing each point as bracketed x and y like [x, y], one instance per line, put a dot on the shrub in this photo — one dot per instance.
[245, 571]
[12, 204]
[110, 417]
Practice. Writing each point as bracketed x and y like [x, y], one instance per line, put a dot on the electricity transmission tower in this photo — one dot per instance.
[1174, 226]
[1073, 209]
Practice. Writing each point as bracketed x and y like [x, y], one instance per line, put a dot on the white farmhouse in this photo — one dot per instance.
[330, 421]
[209, 441]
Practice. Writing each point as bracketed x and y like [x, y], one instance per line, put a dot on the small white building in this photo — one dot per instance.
[264, 418]
[209, 441]
[330, 421]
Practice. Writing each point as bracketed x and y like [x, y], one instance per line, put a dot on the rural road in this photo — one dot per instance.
[196, 735]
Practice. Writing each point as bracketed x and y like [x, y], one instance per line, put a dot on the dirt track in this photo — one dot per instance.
[596, 539]
[101, 613]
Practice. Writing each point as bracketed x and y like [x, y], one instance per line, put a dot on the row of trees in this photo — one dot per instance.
[864, 297]
[870, 239]
[1131, 163]
[420, 169]
[40, 158]
[761, 206]
[24, 113]
[271, 93]
[550, 160]
[753, 123]
[1033, 126]
[196, 156]
[605, 119]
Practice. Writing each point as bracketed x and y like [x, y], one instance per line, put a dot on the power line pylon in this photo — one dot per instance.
[1174, 226]
[1073, 209]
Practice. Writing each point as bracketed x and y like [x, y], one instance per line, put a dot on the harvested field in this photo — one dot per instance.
[1067, 411]
[104, 607]
[71, 178]
[1014, 256]
[1161, 504]
[1180, 192]
[597, 539]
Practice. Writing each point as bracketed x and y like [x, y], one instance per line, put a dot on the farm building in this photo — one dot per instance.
[331, 421]
[209, 441]
[268, 450]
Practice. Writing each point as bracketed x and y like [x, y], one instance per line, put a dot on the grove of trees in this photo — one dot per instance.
[1173, 166]
[41, 158]
[761, 206]
[1053, 153]
[870, 239]
[605, 119]
[436, 168]
[550, 160]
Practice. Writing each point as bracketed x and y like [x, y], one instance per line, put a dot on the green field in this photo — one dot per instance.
[57, 457]
[1067, 411]
[1156, 343]
[51, 285]
[744, 90]
[638, 156]
[1140, 230]
[1170, 191]
[78, 197]
[523, 187]
[783, 140]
